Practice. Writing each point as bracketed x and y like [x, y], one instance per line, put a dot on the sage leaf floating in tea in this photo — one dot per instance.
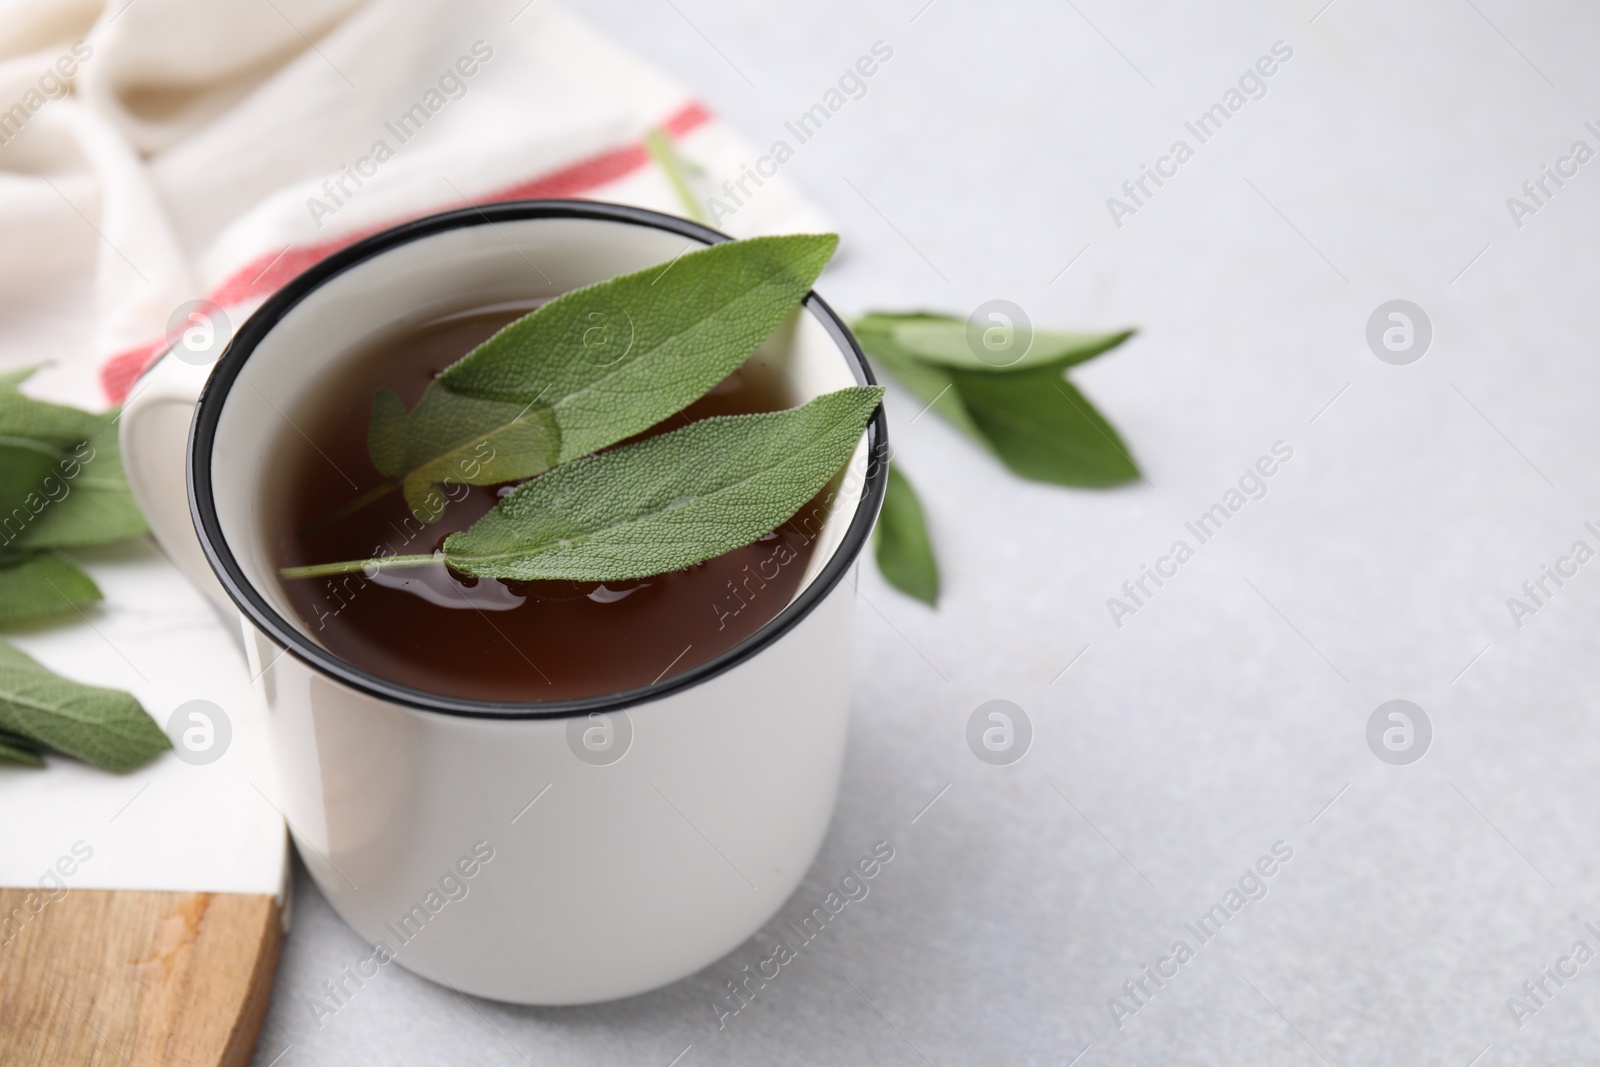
[590, 368]
[656, 505]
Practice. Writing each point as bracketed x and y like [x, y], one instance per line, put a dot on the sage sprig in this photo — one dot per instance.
[61, 487]
[590, 368]
[657, 505]
[548, 396]
[1025, 412]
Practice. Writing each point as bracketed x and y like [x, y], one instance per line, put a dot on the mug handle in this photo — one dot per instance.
[154, 435]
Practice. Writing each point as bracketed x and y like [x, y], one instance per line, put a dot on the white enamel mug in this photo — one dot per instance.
[541, 853]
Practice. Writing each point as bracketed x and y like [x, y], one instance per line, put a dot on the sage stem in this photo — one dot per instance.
[349, 566]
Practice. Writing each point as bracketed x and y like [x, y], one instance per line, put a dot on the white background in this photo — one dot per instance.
[1231, 710]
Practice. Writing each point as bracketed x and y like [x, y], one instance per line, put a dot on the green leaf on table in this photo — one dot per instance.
[88, 499]
[904, 550]
[34, 435]
[104, 727]
[19, 749]
[657, 505]
[25, 463]
[928, 382]
[1042, 428]
[41, 583]
[945, 341]
[23, 416]
[1035, 421]
[61, 480]
[594, 366]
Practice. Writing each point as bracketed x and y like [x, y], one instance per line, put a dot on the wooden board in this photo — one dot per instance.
[117, 978]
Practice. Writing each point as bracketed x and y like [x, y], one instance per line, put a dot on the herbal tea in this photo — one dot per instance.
[498, 639]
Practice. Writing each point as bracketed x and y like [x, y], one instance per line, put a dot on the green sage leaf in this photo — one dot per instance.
[656, 505]
[592, 367]
[85, 501]
[1036, 422]
[24, 465]
[448, 437]
[944, 341]
[1042, 428]
[41, 583]
[386, 434]
[667, 502]
[930, 383]
[615, 358]
[104, 727]
[903, 548]
[61, 480]
[23, 416]
[19, 750]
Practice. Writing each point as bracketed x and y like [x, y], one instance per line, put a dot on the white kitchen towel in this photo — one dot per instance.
[155, 152]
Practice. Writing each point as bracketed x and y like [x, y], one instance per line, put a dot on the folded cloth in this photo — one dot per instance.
[154, 152]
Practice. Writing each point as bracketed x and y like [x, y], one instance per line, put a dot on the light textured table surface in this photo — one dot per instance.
[1230, 711]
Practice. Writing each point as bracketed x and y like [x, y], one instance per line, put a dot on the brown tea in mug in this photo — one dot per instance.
[498, 639]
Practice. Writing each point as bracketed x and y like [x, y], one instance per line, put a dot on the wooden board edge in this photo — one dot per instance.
[125, 977]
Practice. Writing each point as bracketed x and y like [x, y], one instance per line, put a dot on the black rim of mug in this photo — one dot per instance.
[202, 502]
